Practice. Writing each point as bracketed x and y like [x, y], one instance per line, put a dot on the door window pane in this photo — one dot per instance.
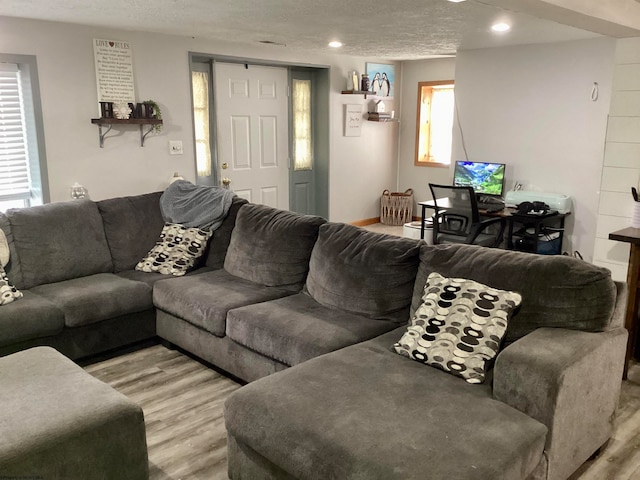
[200, 83]
[302, 156]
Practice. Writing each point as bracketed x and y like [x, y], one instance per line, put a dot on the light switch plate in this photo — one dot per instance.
[175, 147]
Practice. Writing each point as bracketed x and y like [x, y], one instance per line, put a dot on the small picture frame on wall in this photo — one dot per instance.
[381, 79]
[352, 120]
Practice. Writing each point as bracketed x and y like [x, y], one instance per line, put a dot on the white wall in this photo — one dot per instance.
[621, 160]
[531, 108]
[360, 167]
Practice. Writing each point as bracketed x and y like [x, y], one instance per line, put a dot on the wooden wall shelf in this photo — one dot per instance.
[382, 119]
[357, 92]
[152, 122]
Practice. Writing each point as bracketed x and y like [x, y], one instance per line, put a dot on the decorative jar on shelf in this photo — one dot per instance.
[364, 84]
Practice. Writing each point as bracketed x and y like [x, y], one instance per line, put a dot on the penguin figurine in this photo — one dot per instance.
[385, 87]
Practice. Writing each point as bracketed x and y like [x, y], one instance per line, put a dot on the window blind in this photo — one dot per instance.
[14, 154]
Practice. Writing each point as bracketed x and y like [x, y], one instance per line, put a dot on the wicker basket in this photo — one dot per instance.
[396, 207]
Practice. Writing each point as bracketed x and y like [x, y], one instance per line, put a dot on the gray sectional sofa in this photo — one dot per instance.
[309, 312]
[74, 263]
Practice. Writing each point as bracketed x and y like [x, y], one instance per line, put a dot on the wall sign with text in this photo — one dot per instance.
[352, 120]
[114, 71]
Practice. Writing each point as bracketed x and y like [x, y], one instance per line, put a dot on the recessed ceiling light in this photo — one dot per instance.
[335, 44]
[500, 27]
[456, 1]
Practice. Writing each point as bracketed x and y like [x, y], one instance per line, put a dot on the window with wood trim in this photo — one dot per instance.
[434, 124]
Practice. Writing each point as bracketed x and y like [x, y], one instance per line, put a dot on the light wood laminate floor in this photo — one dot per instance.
[182, 401]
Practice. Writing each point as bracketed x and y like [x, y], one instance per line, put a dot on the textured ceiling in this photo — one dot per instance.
[392, 29]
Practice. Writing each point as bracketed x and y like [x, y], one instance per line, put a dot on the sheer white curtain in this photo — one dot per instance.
[200, 81]
[302, 157]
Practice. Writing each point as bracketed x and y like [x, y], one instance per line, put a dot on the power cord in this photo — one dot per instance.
[464, 146]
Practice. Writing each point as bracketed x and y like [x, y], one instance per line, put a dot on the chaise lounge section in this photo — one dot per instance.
[366, 412]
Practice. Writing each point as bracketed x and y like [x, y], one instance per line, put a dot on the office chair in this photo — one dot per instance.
[457, 219]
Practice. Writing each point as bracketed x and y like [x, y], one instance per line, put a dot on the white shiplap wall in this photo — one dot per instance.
[621, 169]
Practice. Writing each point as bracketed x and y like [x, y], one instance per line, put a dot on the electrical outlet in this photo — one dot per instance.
[175, 147]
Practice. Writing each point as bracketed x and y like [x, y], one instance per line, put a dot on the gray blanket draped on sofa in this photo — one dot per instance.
[197, 206]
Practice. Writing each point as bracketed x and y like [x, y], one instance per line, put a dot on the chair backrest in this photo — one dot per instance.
[456, 210]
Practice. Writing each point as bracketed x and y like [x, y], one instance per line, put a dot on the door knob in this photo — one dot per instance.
[226, 181]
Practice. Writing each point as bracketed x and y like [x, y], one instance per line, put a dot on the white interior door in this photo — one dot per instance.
[252, 125]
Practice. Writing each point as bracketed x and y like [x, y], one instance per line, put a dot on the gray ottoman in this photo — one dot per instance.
[58, 422]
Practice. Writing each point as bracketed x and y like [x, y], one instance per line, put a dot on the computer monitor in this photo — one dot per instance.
[485, 178]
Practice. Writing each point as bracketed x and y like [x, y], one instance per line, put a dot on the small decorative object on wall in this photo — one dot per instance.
[365, 83]
[352, 120]
[121, 110]
[352, 81]
[106, 109]
[150, 109]
[381, 78]
[78, 191]
[175, 178]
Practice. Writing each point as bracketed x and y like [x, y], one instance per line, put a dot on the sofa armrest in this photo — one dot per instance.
[568, 380]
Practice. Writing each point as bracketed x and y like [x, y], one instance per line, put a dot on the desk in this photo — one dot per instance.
[632, 236]
[537, 223]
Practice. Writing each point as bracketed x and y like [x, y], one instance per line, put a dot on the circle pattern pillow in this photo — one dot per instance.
[459, 326]
[176, 251]
[8, 293]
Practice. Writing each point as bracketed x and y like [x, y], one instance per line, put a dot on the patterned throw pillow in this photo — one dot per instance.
[177, 250]
[8, 293]
[459, 326]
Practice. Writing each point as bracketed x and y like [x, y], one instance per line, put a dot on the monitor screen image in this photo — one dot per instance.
[485, 178]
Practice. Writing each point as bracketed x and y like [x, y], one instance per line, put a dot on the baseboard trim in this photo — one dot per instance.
[366, 221]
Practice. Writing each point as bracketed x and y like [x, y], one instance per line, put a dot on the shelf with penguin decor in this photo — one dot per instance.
[357, 92]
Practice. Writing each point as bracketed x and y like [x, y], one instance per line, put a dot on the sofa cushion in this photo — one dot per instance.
[177, 250]
[204, 299]
[365, 412]
[557, 291]
[31, 317]
[59, 241]
[296, 328]
[271, 246]
[132, 226]
[458, 327]
[150, 278]
[97, 297]
[219, 242]
[363, 272]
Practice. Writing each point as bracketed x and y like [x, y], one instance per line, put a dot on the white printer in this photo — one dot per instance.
[556, 201]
